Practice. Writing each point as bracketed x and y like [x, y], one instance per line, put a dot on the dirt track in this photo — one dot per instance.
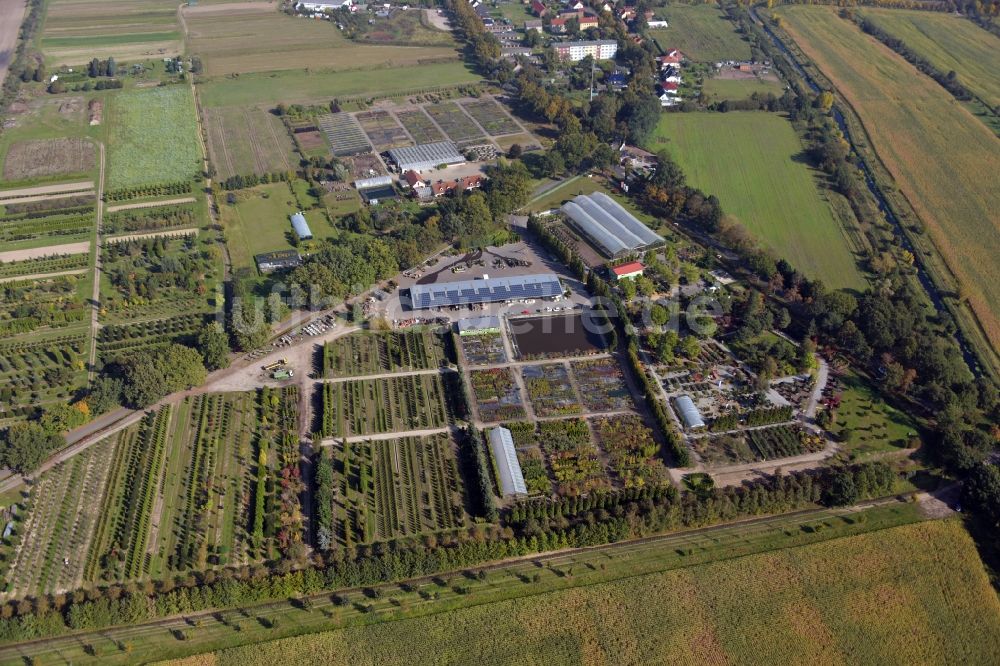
[49, 251]
[11, 15]
[46, 189]
[38, 276]
[150, 204]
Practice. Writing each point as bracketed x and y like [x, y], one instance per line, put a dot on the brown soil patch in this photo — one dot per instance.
[310, 140]
[47, 157]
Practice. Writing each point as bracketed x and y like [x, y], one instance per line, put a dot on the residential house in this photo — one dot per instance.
[588, 22]
[443, 187]
[413, 179]
[534, 24]
[538, 8]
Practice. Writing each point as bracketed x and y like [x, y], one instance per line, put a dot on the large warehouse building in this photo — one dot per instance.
[604, 222]
[491, 290]
[508, 467]
[426, 156]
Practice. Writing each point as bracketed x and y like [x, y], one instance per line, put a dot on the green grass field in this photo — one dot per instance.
[259, 222]
[911, 594]
[950, 43]
[702, 32]
[318, 86]
[155, 138]
[752, 162]
[875, 425]
[740, 88]
[943, 160]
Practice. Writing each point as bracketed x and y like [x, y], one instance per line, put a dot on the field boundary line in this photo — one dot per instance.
[150, 204]
[26, 254]
[42, 276]
[47, 189]
[174, 233]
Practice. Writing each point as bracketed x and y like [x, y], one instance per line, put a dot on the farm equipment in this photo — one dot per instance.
[271, 367]
[284, 373]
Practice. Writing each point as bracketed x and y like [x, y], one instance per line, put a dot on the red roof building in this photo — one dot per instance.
[587, 22]
[670, 87]
[538, 8]
[443, 187]
[629, 270]
[413, 179]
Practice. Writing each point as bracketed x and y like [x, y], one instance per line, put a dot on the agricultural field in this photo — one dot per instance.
[388, 404]
[259, 222]
[632, 449]
[58, 524]
[772, 193]
[496, 394]
[35, 370]
[781, 441]
[247, 140]
[158, 277]
[702, 32]
[942, 159]
[420, 126]
[300, 86]
[181, 486]
[458, 126]
[155, 142]
[375, 353]
[14, 270]
[573, 460]
[54, 303]
[75, 31]
[150, 219]
[247, 40]
[719, 89]
[874, 597]
[492, 117]
[950, 43]
[115, 339]
[44, 158]
[344, 133]
[397, 488]
[383, 130]
[484, 349]
[550, 390]
[602, 385]
[41, 224]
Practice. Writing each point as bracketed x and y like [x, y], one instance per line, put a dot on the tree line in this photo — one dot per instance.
[533, 527]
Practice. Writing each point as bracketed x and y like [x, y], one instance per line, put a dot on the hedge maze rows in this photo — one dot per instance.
[388, 404]
[399, 487]
[365, 353]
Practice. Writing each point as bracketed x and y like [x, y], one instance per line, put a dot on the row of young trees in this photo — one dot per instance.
[529, 528]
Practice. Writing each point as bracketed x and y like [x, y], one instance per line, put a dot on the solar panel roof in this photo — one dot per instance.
[543, 285]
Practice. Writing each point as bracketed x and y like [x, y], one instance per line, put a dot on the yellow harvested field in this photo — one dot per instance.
[942, 158]
[950, 43]
[916, 594]
[254, 41]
